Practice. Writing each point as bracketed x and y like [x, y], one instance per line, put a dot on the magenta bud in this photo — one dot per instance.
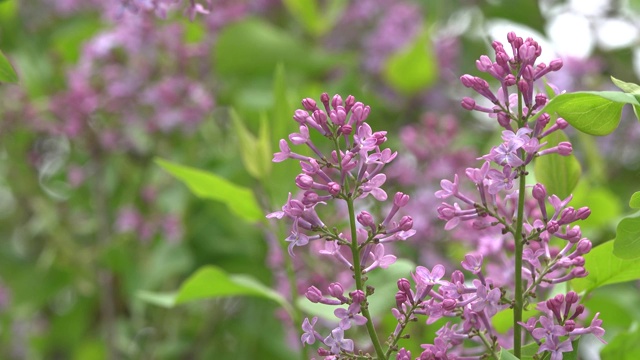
[403, 354]
[400, 199]
[336, 101]
[320, 117]
[510, 80]
[365, 219]
[468, 103]
[449, 304]
[324, 352]
[334, 188]
[401, 298]
[569, 325]
[571, 297]
[556, 64]
[579, 272]
[349, 102]
[578, 261]
[528, 73]
[300, 116]
[511, 36]
[357, 296]
[406, 223]
[539, 192]
[325, 98]
[541, 100]
[504, 120]
[552, 227]
[404, 285]
[562, 123]
[457, 277]
[523, 86]
[583, 213]
[567, 215]
[309, 104]
[345, 130]
[314, 294]
[304, 181]
[336, 290]
[584, 246]
[578, 312]
[565, 148]
[467, 80]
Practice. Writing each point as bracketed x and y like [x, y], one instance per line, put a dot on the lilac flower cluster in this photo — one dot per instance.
[352, 171]
[548, 246]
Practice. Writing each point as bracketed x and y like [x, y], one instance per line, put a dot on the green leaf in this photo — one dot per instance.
[626, 245]
[385, 283]
[604, 204]
[210, 282]
[412, 69]
[595, 113]
[256, 153]
[506, 355]
[307, 12]
[634, 202]
[206, 185]
[7, 73]
[503, 321]
[281, 123]
[605, 268]
[625, 346]
[559, 174]
[630, 88]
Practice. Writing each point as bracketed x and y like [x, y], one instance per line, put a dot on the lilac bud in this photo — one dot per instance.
[365, 219]
[449, 304]
[562, 123]
[569, 325]
[324, 352]
[523, 86]
[320, 117]
[584, 246]
[457, 277]
[300, 116]
[468, 103]
[310, 198]
[504, 120]
[556, 64]
[345, 130]
[578, 261]
[401, 298]
[511, 37]
[539, 192]
[574, 234]
[467, 80]
[578, 312]
[571, 297]
[552, 227]
[406, 223]
[579, 272]
[541, 100]
[357, 296]
[309, 104]
[400, 199]
[565, 148]
[311, 167]
[334, 188]
[336, 101]
[335, 289]
[509, 80]
[349, 102]
[527, 73]
[403, 354]
[325, 100]
[404, 285]
[583, 213]
[567, 215]
[304, 181]
[314, 294]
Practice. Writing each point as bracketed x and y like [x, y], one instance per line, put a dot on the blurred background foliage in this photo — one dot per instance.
[88, 220]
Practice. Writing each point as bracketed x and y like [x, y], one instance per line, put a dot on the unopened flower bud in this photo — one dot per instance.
[565, 148]
[309, 104]
[335, 289]
[334, 188]
[583, 213]
[300, 116]
[556, 64]
[400, 199]
[349, 102]
[569, 325]
[313, 294]
[562, 123]
[552, 227]
[365, 219]
[449, 304]
[578, 261]
[357, 296]
[406, 223]
[304, 181]
[336, 101]
[468, 103]
[584, 246]
[539, 192]
[579, 272]
[509, 80]
[345, 129]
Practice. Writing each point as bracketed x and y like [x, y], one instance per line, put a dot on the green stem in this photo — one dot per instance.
[519, 300]
[489, 346]
[357, 274]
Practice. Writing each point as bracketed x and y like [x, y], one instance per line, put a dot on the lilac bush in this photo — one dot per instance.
[541, 244]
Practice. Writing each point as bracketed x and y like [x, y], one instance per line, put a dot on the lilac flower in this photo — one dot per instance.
[347, 316]
[373, 187]
[337, 342]
[556, 347]
[310, 334]
[379, 259]
[501, 181]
